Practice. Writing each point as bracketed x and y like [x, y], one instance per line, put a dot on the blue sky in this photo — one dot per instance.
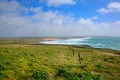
[38, 18]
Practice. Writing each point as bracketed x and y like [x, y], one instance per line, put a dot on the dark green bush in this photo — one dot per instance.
[40, 75]
[88, 76]
[2, 67]
[77, 76]
[62, 73]
[67, 75]
[2, 76]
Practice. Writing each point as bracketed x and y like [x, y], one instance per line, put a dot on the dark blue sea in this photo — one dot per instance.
[97, 42]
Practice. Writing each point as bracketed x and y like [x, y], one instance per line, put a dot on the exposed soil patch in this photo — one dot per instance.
[106, 53]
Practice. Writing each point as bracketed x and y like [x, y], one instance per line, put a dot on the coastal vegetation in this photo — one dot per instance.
[31, 61]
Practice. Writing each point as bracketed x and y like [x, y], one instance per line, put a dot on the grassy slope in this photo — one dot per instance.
[56, 62]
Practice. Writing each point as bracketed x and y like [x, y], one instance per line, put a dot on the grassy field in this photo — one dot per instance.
[58, 62]
[19, 40]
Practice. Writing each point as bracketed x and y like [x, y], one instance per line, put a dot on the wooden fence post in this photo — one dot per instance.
[80, 59]
[73, 52]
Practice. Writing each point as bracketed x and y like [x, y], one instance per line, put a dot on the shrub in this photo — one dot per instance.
[62, 73]
[77, 76]
[67, 75]
[40, 75]
[2, 76]
[2, 67]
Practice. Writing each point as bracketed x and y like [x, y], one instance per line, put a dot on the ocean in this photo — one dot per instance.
[96, 42]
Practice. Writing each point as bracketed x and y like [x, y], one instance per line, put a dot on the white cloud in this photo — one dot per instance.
[94, 17]
[111, 7]
[103, 10]
[50, 23]
[114, 5]
[60, 2]
[11, 7]
[36, 10]
[85, 21]
[117, 23]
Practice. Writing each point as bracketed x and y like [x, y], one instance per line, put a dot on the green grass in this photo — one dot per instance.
[19, 40]
[56, 62]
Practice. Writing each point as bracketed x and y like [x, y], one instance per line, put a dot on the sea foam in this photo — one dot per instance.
[71, 41]
[97, 42]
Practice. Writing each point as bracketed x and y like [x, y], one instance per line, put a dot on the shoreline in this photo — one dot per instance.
[74, 44]
[37, 41]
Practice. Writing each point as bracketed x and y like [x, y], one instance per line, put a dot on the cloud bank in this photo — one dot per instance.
[60, 2]
[14, 22]
[111, 7]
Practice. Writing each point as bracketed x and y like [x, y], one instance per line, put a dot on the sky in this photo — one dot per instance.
[54, 18]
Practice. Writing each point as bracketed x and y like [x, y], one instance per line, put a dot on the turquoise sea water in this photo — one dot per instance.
[97, 42]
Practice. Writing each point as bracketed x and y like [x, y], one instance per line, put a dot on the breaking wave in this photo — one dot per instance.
[97, 42]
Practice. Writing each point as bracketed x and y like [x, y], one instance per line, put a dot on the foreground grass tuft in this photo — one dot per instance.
[40, 75]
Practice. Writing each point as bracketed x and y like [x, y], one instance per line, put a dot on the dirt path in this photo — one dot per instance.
[106, 53]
